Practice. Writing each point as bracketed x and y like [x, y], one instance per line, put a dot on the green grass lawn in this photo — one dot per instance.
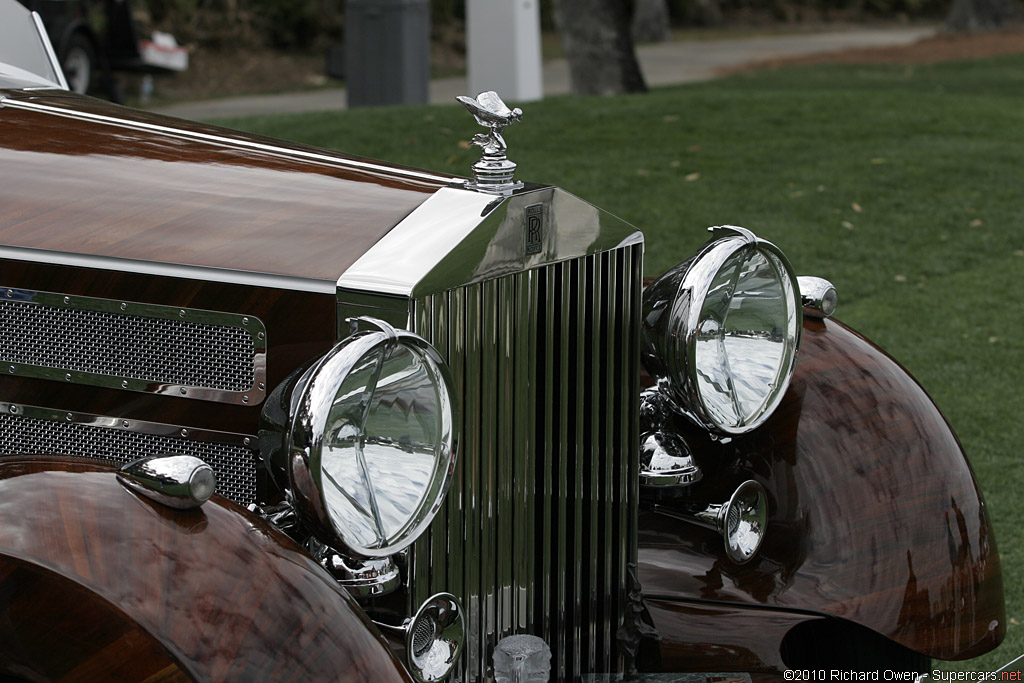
[901, 184]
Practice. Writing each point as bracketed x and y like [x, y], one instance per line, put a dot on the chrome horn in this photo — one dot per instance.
[740, 521]
[432, 640]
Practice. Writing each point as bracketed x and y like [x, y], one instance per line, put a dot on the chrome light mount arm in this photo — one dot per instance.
[667, 464]
[363, 579]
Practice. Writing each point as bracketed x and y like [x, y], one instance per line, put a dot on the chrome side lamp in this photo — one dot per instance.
[740, 521]
[174, 480]
[818, 295]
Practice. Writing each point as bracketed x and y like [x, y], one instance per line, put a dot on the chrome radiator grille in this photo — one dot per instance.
[539, 525]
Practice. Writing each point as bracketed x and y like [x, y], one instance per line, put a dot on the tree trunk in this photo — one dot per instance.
[976, 15]
[650, 21]
[597, 42]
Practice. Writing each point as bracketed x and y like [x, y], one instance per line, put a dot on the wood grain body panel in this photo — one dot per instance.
[708, 637]
[874, 513]
[54, 629]
[300, 327]
[225, 596]
[91, 188]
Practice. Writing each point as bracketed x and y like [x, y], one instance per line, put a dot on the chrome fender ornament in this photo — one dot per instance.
[493, 173]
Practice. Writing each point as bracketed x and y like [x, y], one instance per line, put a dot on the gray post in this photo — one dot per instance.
[387, 52]
[503, 46]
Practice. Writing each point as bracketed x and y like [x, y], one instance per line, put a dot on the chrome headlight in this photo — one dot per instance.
[722, 331]
[372, 441]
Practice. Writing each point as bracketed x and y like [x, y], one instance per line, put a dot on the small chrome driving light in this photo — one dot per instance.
[178, 481]
[434, 637]
[372, 443]
[740, 521]
[431, 640]
[818, 295]
[721, 331]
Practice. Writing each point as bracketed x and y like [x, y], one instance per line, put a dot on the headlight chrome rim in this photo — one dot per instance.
[311, 403]
[673, 327]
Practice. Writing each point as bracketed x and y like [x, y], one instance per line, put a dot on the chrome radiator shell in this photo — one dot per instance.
[540, 525]
[534, 301]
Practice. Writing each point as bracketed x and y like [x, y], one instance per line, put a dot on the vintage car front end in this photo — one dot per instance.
[422, 400]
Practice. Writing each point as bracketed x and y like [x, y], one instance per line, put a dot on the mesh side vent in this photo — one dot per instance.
[157, 350]
[234, 465]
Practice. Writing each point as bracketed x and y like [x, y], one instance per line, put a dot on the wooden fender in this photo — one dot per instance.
[874, 513]
[97, 581]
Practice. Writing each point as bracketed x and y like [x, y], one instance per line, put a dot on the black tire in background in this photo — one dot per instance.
[79, 63]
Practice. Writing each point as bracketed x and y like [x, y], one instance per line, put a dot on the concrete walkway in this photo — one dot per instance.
[681, 61]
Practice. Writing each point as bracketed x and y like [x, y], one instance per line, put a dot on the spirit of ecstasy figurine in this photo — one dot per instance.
[493, 171]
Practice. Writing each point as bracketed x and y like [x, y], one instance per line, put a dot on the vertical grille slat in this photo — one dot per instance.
[579, 463]
[566, 382]
[506, 511]
[523, 450]
[611, 353]
[488, 461]
[538, 528]
[472, 454]
[593, 475]
[456, 502]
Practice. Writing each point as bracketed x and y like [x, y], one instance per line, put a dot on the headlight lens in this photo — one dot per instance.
[722, 331]
[373, 441]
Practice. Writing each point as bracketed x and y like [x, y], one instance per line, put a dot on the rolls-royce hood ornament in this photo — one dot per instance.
[494, 172]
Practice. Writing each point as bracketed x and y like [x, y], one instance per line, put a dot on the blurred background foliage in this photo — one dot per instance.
[312, 24]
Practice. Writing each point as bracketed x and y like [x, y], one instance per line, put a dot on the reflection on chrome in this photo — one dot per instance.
[739, 346]
[371, 442]
[722, 330]
[381, 447]
[741, 521]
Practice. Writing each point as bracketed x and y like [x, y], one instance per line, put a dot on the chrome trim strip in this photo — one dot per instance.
[176, 270]
[252, 326]
[130, 425]
[44, 38]
[232, 142]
